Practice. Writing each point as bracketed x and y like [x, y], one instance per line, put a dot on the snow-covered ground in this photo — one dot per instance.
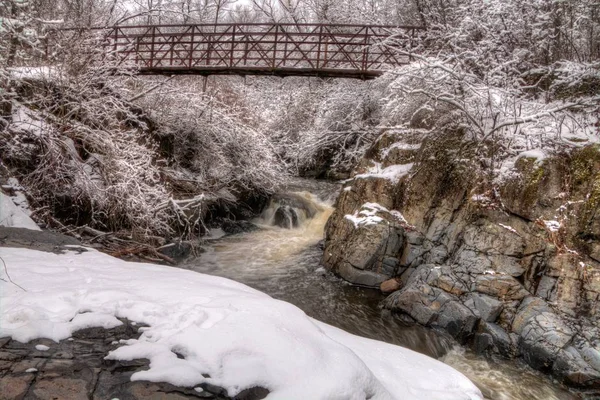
[238, 336]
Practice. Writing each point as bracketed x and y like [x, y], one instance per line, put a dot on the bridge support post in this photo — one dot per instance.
[192, 44]
[232, 46]
[320, 41]
[274, 61]
[152, 47]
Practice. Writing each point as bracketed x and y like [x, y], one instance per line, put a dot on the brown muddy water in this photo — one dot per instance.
[284, 263]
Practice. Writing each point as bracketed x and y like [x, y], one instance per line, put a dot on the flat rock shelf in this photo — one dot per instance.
[75, 369]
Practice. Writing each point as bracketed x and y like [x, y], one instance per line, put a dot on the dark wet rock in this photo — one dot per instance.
[360, 277]
[106, 335]
[542, 339]
[177, 251]
[571, 368]
[285, 217]
[590, 352]
[418, 300]
[38, 240]
[457, 320]
[235, 227]
[367, 251]
[255, 393]
[492, 339]
[499, 253]
[485, 307]
[76, 369]
[432, 306]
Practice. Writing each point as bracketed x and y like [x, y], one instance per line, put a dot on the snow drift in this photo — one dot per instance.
[238, 336]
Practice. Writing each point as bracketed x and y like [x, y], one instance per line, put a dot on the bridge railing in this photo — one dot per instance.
[254, 48]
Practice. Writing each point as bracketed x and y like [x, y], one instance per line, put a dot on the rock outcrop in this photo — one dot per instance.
[508, 263]
[76, 369]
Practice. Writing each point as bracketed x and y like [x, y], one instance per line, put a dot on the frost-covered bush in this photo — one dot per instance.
[212, 141]
[344, 117]
[499, 40]
[88, 156]
[84, 157]
[318, 126]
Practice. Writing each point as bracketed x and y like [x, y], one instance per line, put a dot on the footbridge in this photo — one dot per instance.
[323, 50]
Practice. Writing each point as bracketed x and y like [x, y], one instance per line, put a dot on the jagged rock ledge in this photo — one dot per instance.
[509, 265]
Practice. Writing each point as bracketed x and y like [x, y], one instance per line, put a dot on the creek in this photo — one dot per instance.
[284, 263]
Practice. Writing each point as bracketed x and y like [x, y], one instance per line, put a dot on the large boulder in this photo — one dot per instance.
[547, 343]
[542, 338]
[572, 368]
[367, 246]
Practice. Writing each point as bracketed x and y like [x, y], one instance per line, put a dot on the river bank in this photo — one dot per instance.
[286, 264]
[218, 337]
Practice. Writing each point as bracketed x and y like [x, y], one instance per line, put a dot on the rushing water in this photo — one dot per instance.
[285, 264]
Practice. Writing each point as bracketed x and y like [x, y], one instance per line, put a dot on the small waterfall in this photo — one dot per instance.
[291, 210]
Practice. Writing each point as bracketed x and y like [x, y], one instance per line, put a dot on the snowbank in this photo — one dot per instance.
[13, 217]
[238, 336]
[538, 155]
[393, 173]
[367, 215]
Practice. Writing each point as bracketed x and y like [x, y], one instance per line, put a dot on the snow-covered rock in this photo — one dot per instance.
[238, 336]
[393, 173]
[13, 217]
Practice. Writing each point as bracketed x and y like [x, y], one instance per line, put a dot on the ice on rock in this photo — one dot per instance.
[12, 216]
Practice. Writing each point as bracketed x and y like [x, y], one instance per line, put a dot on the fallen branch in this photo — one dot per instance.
[8, 276]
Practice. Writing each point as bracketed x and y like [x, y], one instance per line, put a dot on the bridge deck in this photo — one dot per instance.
[351, 51]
